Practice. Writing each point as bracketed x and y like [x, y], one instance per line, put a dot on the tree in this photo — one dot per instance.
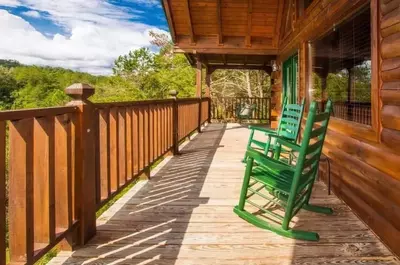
[7, 86]
[136, 63]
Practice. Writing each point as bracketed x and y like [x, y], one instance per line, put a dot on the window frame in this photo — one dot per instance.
[354, 129]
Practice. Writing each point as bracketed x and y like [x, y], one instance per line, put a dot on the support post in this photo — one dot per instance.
[175, 124]
[198, 78]
[199, 115]
[85, 178]
[208, 83]
[209, 110]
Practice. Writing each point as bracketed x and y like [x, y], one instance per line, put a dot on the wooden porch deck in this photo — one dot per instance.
[183, 216]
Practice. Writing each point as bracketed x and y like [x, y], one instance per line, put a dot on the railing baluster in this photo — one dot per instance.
[146, 136]
[103, 143]
[135, 133]
[128, 142]
[113, 155]
[62, 178]
[121, 147]
[151, 133]
[41, 180]
[21, 237]
[141, 137]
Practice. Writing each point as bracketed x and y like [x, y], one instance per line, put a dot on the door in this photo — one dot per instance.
[290, 75]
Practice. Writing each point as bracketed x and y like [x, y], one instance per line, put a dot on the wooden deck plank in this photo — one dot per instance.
[183, 215]
[203, 261]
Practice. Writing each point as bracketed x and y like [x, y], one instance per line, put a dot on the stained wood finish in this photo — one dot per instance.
[132, 137]
[41, 177]
[3, 192]
[183, 215]
[247, 24]
[364, 158]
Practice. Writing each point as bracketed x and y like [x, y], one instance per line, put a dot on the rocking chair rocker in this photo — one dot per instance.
[284, 186]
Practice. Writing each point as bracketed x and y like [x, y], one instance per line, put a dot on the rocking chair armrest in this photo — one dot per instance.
[268, 161]
[256, 128]
[283, 141]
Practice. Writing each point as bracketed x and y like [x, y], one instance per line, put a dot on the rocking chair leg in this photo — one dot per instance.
[246, 180]
[318, 209]
[248, 145]
[314, 208]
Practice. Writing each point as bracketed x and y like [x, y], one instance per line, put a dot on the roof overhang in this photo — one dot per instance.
[226, 32]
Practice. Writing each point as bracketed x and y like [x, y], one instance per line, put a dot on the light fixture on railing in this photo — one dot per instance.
[275, 66]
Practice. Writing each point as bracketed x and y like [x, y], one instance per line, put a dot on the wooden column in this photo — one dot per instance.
[208, 83]
[175, 136]
[198, 78]
[85, 182]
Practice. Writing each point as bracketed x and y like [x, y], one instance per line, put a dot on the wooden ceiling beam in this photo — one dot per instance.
[170, 20]
[241, 51]
[212, 68]
[219, 21]
[189, 19]
[278, 23]
[249, 22]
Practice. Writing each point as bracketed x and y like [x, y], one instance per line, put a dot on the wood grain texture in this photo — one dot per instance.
[183, 215]
[3, 192]
[21, 190]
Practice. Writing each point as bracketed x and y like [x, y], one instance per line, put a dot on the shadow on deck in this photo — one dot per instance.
[183, 216]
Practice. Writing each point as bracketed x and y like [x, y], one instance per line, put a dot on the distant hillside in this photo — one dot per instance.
[9, 63]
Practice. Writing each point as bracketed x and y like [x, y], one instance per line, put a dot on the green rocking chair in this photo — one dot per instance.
[288, 127]
[285, 188]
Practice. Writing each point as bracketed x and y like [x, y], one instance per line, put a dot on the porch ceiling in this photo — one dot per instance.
[244, 28]
[233, 61]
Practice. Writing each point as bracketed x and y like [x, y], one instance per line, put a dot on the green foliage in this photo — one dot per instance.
[7, 87]
[9, 63]
[337, 84]
[33, 86]
[156, 74]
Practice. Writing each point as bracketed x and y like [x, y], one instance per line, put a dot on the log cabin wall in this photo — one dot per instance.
[365, 160]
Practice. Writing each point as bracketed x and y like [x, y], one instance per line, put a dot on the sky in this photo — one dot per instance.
[83, 35]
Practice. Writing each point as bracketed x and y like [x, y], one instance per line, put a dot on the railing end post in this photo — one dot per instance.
[79, 92]
[84, 160]
[174, 94]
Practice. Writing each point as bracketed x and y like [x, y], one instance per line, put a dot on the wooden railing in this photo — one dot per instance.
[40, 149]
[227, 108]
[354, 111]
[58, 166]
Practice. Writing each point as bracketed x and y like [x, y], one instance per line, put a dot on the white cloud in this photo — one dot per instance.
[11, 3]
[148, 2]
[98, 33]
[32, 13]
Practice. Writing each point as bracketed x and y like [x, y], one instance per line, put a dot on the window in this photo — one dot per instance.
[342, 68]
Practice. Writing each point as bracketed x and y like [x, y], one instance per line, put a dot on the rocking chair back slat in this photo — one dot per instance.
[288, 126]
[304, 160]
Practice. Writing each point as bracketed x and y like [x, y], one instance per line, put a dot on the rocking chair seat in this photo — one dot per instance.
[281, 181]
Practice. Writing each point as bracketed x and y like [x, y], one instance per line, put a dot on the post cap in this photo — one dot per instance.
[173, 93]
[79, 91]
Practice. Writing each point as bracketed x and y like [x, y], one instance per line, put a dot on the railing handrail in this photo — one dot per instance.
[13, 115]
[102, 105]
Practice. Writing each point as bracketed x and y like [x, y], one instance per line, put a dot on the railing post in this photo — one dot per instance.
[209, 110]
[85, 182]
[199, 116]
[175, 124]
